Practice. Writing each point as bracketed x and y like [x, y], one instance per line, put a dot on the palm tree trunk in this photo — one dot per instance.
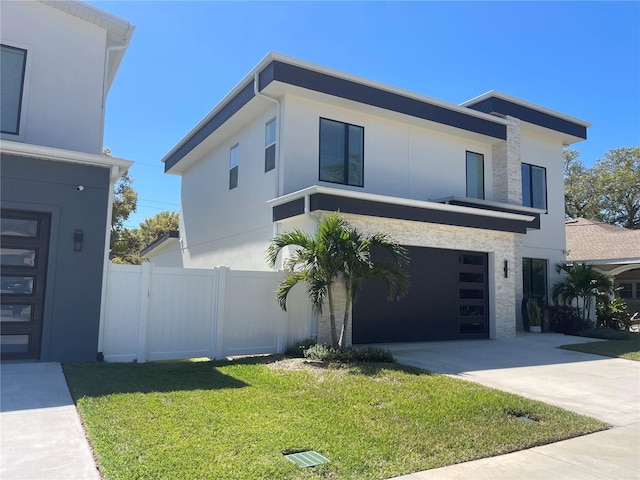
[345, 321]
[332, 318]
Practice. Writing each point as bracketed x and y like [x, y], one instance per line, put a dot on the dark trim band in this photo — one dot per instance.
[529, 115]
[215, 122]
[534, 224]
[350, 90]
[332, 203]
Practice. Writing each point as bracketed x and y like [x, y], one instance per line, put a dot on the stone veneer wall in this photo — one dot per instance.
[505, 294]
[507, 174]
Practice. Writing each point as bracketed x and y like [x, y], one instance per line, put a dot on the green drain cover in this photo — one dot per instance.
[307, 459]
[526, 419]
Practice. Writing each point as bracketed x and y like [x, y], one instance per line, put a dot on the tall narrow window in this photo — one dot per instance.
[270, 145]
[475, 175]
[534, 278]
[341, 153]
[534, 186]
[234, 158]
[13, 63]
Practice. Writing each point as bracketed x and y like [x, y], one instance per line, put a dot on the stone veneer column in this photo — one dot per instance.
[507, 177]
[324, 320]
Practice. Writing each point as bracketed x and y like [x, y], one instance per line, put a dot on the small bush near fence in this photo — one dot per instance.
[297, 349]
[308, 348]
[348, 355]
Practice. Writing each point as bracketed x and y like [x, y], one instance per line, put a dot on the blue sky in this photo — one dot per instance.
[579, 58]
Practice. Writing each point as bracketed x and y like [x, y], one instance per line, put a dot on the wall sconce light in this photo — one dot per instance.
[78, 238]
[506, 269]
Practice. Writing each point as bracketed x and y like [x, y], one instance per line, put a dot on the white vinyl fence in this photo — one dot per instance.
[160, 313]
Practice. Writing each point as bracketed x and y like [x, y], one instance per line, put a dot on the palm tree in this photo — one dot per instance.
[338, 255]
[581, 284]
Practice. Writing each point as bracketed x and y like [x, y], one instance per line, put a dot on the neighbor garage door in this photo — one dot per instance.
[448, 300]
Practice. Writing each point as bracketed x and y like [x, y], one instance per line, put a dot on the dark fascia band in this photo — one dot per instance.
[529, 115]
[342, 88]
[215, 122]
[332, 203]
[535, 224]
[368, 95]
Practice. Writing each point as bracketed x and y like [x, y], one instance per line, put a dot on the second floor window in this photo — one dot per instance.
[534, 186]
[270, 145]
[475, 175]
[341, 153]
[13, 63]
[234, 160]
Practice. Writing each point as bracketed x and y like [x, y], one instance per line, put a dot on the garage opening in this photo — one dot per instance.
[448, 300]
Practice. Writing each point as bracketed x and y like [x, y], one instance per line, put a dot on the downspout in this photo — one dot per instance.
[113, 178]
[279, 183]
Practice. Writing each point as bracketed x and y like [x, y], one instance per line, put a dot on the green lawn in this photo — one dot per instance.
[628, 348]
[234, 420]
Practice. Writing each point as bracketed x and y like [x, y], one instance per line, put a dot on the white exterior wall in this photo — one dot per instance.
[168, 254]
[550, 241]
[400, 159]
[62, 104]
[219, 226]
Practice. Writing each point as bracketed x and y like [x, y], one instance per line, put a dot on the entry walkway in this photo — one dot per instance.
[41, 436]
[530, 365]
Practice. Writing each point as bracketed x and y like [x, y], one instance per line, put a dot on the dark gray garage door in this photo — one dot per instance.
[448, 300]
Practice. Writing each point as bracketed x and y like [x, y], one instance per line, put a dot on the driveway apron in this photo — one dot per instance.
[531, 365]
[41, 436]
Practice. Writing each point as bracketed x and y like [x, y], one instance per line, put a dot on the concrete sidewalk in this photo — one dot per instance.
[41, 436]
[530, 365]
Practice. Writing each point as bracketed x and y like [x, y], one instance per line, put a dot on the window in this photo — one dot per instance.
[534, 278]
[625, 290]
[13, 62]
[234, 158]
[341, 153]
[534, 186]
[475, 175]
[270, 145]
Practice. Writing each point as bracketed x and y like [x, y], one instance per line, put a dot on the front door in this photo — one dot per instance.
[24, 250]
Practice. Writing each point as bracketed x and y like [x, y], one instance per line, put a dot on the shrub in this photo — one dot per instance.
[567, 320]
[298, 348]
[349, 354]
[605, 333]
[612, 313]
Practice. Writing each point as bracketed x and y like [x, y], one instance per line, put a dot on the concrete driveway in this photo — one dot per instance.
[531, 365]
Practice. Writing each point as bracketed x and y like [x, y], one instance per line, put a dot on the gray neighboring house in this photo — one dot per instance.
[58, 61]
[613, 251]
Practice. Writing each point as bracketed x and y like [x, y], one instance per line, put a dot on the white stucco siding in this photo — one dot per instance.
[544, 150]
[400, 159]
[229, 227]
[64, 77]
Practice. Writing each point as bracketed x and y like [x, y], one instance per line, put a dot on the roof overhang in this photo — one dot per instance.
[119, 31]
[497, 103]
[275, 72]
[325, 199]
[60, 155]
[172, 237]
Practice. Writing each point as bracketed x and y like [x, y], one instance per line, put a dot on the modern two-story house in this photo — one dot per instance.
[474, 191]
[58, 61]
